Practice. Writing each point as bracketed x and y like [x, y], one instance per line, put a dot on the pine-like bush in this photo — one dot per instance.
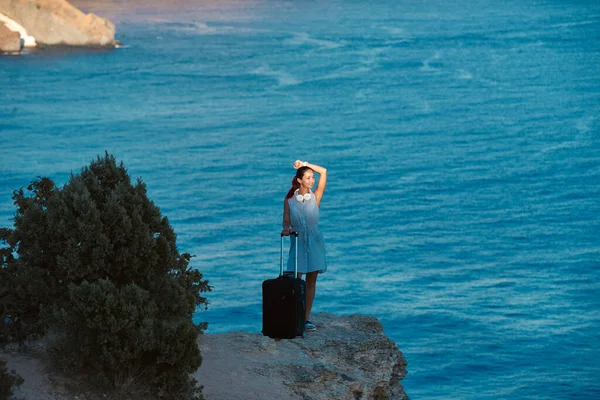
[96, 265]
[8, 380]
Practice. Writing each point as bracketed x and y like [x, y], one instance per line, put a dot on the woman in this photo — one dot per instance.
[301, 215]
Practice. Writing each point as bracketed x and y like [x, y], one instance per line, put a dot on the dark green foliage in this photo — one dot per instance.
[8, 380]
[26, 282]
[96, 264]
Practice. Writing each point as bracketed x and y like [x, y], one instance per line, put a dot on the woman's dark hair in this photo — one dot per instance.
[295, 185]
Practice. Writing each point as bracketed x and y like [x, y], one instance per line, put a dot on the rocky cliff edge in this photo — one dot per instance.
[347, 358]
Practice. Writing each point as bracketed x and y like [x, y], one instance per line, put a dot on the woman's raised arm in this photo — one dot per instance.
[322, 178]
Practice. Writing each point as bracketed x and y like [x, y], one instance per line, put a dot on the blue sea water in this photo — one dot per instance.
[462, 142]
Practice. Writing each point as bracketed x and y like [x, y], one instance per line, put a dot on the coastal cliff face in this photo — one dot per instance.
[57, 22]
[348, 357]
[10, 42]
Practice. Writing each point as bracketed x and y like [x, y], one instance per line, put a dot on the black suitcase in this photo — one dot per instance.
[284, 302]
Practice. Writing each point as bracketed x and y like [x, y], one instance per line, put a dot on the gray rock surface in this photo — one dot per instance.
[10, 42]
[348, 357]
[54, 22]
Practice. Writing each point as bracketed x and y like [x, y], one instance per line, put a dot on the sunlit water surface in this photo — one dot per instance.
[462, 142]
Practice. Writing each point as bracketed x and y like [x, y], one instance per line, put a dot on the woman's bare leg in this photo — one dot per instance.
[311, 286]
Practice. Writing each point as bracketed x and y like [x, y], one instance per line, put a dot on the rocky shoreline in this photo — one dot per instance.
[347, 358]
[28, 23]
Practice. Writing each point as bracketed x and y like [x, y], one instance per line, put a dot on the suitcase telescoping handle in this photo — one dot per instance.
[295, 235]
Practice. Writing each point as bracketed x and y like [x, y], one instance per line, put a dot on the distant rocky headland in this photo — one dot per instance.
[29, 23]
[347, 358]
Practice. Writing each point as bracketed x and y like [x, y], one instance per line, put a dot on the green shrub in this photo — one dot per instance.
[95, 264]
[8, 381]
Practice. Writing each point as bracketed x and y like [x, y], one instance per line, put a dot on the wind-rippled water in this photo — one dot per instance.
[462, 141]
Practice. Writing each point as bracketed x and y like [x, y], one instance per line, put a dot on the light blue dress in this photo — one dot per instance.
[304, 218]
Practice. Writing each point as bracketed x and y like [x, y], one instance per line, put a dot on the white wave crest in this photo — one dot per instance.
[398, 33]
[372, 56]
[426, 66]
[283, 78]
[463, 74]
[202, 28]
[304, 38]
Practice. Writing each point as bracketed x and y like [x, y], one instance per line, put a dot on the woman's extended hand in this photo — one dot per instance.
[298, 164]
